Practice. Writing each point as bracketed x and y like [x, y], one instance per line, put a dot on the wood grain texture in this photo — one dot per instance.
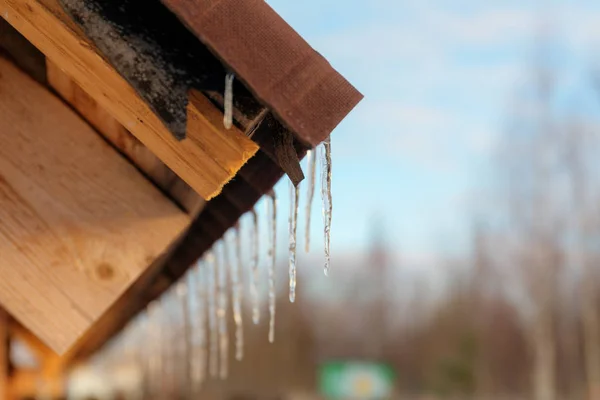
[276, 64]
[123, 140]
[201, 166]
[78, 223]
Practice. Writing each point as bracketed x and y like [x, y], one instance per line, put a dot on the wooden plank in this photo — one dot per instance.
[196, 159]
[123, 140]
[276, 64]
[78, 223]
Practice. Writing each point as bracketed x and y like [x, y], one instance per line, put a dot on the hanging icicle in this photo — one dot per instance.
[311, 159]
[228, 101]
[155, 342]
[212, 315]
[184, 335]
[222, 268]
[326, 196]
[181, 316]
[197, 317]
[236, 293]
[272, 255]
[254, 268]
[169, 357]
[167, 343]
[295, 194]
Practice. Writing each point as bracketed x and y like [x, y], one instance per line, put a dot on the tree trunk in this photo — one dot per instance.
[544, 364]
[591, 337]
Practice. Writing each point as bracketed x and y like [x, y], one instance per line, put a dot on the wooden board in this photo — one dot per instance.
[123, 140]
[197, 159]
[78, 223]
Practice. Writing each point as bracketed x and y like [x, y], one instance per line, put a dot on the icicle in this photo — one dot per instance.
[228, 101]
[326, 195]
[168, 345]
[202, 315]
[154, 341]
[272, 233]
[222, 267]
[212, 315]
[254, 269]
[295, 194]
[310, 193]
[236, 293]
[197, 317]
[183, 344]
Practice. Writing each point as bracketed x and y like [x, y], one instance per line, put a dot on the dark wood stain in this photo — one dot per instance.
[153, 51]
[105, 271]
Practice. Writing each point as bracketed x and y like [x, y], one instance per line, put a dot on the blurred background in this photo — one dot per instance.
[466, 211]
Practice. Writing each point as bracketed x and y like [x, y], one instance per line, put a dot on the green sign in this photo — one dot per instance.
[356, 380]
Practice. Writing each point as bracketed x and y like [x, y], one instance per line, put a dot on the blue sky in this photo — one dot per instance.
[438, 78]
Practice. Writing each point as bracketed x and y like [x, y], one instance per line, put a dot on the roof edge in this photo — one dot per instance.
[281, 69]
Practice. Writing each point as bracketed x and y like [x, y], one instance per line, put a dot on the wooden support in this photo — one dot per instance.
[198, 159]
[46, 381]
[78, 223]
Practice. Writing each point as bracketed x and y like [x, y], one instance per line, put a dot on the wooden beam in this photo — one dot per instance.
[197, 159]
[78, 223]
[123, 140]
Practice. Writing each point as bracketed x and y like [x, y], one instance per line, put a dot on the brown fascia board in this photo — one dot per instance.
[281, 69]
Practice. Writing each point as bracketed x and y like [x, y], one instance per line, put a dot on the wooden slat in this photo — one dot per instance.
[122, 139]
[196, 159]
[78, 223]
[276, 64]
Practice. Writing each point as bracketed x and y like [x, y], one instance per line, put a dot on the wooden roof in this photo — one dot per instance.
[163, 60]
[288, 96]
